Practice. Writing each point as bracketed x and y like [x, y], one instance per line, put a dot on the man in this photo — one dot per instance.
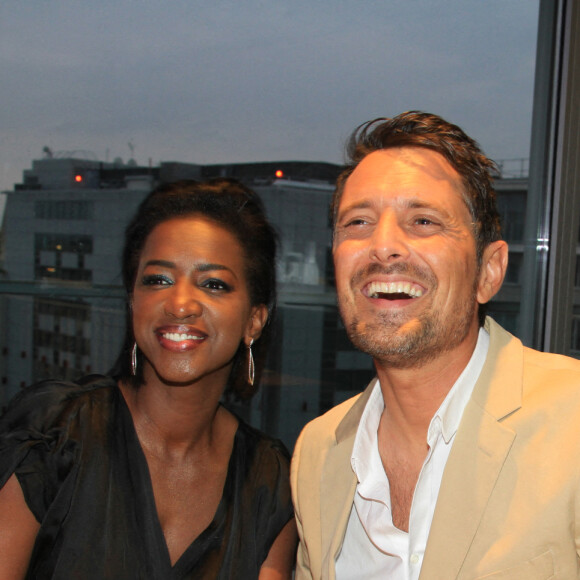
[461, 459]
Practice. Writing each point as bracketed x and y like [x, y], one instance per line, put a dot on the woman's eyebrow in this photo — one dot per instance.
[210, 266]
[163, 263]
[204, 267]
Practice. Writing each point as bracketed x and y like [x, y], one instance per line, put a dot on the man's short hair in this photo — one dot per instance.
[418, 129]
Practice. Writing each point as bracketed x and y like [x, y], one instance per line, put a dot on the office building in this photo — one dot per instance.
[62, 303]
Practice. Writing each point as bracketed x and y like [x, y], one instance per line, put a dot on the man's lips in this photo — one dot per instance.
[393, 290]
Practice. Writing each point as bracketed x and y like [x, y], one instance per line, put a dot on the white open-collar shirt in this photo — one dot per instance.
[373, 547]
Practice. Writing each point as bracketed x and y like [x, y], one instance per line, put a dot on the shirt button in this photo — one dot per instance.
[415, 558]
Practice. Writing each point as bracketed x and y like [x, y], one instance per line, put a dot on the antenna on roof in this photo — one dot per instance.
[132, 161]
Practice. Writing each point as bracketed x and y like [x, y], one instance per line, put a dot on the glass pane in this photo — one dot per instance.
[106, 100]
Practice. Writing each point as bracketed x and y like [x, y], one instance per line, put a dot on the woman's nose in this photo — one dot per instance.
[184, 302]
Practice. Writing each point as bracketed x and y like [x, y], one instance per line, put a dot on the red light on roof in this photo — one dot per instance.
[78, 178]
[279, 174]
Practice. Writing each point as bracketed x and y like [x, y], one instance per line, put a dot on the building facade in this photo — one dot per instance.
[61, 298]
[61, 290]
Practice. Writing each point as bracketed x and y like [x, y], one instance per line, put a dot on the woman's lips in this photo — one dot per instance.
[180, 339]
[179, 336]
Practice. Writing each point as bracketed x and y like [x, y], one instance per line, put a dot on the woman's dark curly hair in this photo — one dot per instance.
[237, 209]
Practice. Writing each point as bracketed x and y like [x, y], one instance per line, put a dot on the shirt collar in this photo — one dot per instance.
[446, 419]
[451, 410]
[365, 441]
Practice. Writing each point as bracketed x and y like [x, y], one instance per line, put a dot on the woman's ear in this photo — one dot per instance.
[256, 322]
[492, 271]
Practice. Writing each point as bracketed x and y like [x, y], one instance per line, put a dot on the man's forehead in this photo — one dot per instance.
[421, 175]
[402, 202]
[419, 162]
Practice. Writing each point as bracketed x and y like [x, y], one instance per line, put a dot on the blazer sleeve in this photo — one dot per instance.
[302, 558]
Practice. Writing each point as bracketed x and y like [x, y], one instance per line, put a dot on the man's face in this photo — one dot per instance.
[405, 258]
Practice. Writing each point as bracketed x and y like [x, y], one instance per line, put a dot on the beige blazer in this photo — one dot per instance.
[509, 504]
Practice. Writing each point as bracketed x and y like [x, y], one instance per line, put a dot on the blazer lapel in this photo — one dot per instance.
[336, 501]
[479, 452]
[338, 485]
[468, 481]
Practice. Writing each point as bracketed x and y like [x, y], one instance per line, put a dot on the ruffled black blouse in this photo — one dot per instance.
[75, 452]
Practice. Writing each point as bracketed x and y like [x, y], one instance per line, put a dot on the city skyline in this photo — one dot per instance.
[226, 83]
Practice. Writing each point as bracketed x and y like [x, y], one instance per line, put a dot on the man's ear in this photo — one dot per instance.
[492, 272]
[257, 321]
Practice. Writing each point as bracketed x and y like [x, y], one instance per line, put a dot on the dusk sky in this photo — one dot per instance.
[256, 80]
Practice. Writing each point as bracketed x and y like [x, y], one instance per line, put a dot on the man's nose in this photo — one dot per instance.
[389, 240]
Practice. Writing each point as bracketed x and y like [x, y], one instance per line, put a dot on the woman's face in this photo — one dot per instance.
[191, 307]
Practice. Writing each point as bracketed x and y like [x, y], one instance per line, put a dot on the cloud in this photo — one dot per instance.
[223, 81]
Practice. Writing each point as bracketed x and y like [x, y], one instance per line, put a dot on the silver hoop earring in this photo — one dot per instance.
[134, 360]
[251, 363]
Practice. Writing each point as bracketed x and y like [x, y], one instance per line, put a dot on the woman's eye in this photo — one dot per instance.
[156, 280]
[216, 284]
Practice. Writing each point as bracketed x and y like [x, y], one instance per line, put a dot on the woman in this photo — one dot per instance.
[144, 473]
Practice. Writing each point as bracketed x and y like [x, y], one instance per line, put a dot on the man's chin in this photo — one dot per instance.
[380, 341]
[406, 345]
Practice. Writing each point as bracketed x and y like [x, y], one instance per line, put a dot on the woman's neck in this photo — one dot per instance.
[175, 420]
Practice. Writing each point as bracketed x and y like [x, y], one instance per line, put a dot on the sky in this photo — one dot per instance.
[225, 81]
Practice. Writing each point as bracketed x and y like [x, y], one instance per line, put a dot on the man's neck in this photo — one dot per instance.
[413, 394]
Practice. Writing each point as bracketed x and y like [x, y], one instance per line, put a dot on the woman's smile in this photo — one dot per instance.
[179, 339]
[191, 306]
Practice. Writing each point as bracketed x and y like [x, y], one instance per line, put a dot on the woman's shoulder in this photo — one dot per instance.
[265, 492]
[42, 404]
[44, 430]
[265, 458]
[254, 438]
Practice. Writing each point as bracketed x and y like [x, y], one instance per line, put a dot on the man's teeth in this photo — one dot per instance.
[177, 337]
[377, 288]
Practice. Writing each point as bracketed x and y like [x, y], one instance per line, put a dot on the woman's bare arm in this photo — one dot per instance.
[18, 529]
[282, 555]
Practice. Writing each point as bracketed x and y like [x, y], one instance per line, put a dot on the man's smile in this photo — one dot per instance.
[393, 290]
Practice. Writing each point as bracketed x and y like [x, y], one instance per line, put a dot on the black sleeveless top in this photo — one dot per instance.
[75, 452]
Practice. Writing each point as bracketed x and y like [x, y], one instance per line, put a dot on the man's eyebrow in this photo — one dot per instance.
[415, 203]
[353, 206]
[407, 203]
[422, 204]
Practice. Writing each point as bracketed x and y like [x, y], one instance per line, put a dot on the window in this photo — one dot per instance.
[60, 285]
[63, 210]
[62, 257]
[61, 339]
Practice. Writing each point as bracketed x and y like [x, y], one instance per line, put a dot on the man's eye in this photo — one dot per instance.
[355, 222]
[425, 221]
[156, 280]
